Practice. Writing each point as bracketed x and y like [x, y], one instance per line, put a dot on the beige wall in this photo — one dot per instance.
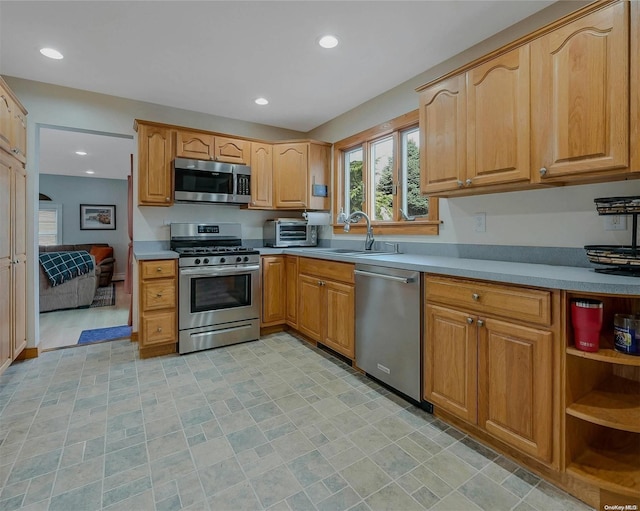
[561, 217]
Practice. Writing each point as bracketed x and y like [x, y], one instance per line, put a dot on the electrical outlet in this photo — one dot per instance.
[615, 223]
[480, 222]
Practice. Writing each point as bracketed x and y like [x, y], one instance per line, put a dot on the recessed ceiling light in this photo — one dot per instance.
[51, 53]
[81, 153]
[328, 41]
[262, 101]
[89, 171]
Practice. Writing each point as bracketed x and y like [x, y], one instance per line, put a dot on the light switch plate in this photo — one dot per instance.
[480, 222]
[615, 223]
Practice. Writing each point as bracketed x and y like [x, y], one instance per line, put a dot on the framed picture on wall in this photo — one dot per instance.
[97, 217]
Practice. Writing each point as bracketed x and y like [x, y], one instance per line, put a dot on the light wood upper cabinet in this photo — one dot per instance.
[204, 146]
[196, 145]
[290, 163]
[232, 150]
[5, 119]
[443, 136]
[498, 120]
[261, 175]
[155, 173]
[297, 168]
[13, 125]
[580, 97]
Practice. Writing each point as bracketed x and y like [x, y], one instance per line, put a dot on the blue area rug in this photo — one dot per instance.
[104, 334]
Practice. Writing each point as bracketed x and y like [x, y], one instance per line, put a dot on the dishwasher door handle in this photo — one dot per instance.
[404, 280]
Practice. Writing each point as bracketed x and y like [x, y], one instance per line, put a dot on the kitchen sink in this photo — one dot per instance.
[354, 252]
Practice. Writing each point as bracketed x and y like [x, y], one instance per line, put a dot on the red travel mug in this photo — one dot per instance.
[586, 317]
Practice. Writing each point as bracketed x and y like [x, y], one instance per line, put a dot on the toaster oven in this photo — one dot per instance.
[289, 232]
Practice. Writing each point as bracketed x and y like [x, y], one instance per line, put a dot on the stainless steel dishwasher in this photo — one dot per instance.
[388, 330]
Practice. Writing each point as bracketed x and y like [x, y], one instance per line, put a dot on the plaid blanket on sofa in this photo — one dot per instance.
[63, 266]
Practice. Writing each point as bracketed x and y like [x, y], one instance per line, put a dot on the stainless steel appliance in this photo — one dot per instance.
[388, 331]
[289, 232]
[211, 182]
[219, 286]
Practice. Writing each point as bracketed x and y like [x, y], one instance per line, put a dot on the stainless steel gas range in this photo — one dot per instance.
[219, 286]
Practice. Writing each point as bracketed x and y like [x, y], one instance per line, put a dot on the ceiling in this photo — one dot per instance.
[216, 57]
[108, 156]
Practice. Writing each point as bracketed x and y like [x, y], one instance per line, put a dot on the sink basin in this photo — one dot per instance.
[354, 252]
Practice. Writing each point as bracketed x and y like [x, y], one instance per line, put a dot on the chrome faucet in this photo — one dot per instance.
[355, 217]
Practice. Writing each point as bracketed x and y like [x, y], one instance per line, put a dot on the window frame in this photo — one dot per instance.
[428, 225]
[51, 206]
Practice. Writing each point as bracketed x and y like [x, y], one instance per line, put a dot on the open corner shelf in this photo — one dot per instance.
[606, 355]
[614, 404]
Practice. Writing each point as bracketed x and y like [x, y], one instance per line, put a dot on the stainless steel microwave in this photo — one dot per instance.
[211, 182]
[289, 232]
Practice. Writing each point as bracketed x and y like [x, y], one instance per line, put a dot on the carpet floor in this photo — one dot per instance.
[105, 296]
[104, 334]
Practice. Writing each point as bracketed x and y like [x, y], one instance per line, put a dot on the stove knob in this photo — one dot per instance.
[223, 260]
[238, 259]
[246, 259]
[206, 261]
[197, 261]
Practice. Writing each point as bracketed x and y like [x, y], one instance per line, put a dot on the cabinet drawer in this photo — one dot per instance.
[158, 328]
[158, 269]
[531, 305]
[342, 272]
[159, 294]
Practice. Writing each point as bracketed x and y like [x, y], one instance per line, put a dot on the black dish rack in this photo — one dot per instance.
[619, 259]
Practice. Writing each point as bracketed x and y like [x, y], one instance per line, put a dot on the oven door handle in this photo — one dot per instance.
[212, 271]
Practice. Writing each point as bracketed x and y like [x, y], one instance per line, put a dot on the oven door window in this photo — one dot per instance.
[204, 182]
[219, 293]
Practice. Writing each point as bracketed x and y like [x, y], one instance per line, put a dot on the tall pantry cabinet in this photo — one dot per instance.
[13, 246]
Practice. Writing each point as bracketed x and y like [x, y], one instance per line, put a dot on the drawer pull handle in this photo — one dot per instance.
[159, 295]
[480, 322]
[475, 297]
[470, 320]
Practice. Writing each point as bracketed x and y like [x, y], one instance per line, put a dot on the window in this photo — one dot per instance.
[49, 224]
[378, 172]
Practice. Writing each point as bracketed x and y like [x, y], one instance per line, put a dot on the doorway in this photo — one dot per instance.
[83, 206]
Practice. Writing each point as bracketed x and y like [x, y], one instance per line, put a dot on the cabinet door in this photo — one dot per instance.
[273, 290]
[443, 136]
[451, 361]
[19, 135]
[291, 278]
[191, 144]
[158, 327]
[232, 150]
[261, 175]
[635, 90]
[158, 294]
[319, 175]
[6, 350]
[310, 315]
[515, 400]
[19, 280]
[498, 120]
[580, 96]
[155, 175]
[5, 208]
[290, 165]
[339, 333]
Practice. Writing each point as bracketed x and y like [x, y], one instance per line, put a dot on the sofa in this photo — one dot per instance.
[102, 252]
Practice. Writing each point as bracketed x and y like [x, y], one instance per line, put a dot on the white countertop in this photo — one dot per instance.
[537, 275]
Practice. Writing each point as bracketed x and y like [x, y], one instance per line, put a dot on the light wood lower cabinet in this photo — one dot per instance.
[291, 280]
[494, 372]
[274, 298]
[326, 304]
[158, 325]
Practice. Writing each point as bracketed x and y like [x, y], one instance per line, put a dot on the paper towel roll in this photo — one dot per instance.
[317, 218]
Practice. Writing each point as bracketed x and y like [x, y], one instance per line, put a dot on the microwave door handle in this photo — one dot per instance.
[214, 271]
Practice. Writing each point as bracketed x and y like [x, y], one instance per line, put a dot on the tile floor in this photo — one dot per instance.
[272, 424]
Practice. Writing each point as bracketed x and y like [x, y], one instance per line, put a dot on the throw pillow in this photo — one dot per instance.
[101, 253]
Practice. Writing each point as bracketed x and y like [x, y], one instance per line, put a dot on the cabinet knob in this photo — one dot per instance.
[459, 183]
[543, 171]
[159, 329]
[15, 150]
[475, 297]
[159, 269]
[470, 320]
[480, 322]
[167, 199]
[468, 182]
[159, 295]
